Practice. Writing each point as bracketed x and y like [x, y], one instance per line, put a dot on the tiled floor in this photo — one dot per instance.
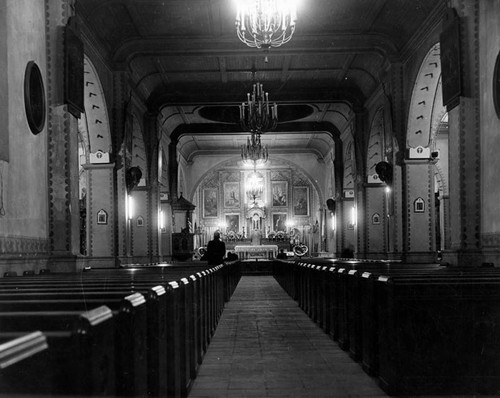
[265, 346]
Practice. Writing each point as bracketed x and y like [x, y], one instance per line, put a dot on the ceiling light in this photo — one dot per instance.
[265, 23]
[257, 116]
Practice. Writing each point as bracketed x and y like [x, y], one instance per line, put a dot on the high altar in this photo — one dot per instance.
[256, 250]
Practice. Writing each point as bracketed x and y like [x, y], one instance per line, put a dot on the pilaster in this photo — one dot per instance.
[419, 219]
[101, 214]
[465, 151]
[62, 140]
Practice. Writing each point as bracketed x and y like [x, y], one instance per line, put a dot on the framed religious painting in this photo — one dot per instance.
[301, 201]
[210, 206]
[232, 223]
[279, 190]
[279, 222]
[232, 195]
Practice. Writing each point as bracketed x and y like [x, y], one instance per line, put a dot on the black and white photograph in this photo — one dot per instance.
[249, 198]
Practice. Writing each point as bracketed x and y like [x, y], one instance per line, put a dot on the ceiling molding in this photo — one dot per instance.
[228, 45]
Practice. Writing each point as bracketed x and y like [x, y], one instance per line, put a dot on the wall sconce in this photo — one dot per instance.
[389, 201]
[353, 219]
[161, 219]
[334, 222]
[129, 207]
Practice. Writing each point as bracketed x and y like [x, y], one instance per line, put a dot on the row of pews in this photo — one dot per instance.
[136, 331]
[419, 328]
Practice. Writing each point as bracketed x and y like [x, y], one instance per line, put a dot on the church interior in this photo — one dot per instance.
[343, 149]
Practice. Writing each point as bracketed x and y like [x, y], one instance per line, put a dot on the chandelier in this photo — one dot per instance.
[265, 23]
[254, 186]
[253, 152]
[257, 116]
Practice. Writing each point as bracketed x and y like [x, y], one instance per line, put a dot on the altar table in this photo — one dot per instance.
[265, 252]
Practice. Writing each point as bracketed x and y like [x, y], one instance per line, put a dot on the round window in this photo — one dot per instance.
[34, 97]
[496, 86]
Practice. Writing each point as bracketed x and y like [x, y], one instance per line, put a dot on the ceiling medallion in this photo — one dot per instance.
[257, 116]
[265, 23]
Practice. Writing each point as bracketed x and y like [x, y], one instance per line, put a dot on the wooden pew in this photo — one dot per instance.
[130, 333]
[23, 355]
[440, 334]
[80, 358]
[88, 287]
[360, 308]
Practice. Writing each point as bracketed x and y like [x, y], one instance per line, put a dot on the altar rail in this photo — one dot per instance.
[421, 329]
[282, 244]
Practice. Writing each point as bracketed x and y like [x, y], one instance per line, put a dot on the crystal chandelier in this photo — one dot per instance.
[266, 23]
[253, 152]
[254, 186]
[257, 116]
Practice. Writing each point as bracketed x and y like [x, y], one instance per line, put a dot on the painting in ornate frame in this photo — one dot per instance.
[279, 222]
[210, 205]
[232, 223]
[279, 191]
[232, 198]
[301, 201]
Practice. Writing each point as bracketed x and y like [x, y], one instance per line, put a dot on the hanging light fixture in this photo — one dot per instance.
[254, 186]
[253, 152]
[265, 23]
[257, 116]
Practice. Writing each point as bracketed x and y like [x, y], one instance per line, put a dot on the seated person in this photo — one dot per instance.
[281, 255]
[216, 250]
[232, 256]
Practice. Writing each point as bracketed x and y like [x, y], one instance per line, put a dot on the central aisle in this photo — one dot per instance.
[265, 346]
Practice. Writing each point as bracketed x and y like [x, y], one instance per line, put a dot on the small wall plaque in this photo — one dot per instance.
[419, 206]
[102, 217]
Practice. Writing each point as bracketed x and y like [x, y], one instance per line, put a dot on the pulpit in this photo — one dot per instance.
[183, 233]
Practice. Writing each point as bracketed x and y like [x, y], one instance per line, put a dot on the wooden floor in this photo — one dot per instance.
[265, 346]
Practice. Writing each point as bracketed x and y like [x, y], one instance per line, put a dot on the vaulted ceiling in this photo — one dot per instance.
[185, 54]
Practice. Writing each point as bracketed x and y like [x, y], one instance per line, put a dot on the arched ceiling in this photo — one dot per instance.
[184, 54]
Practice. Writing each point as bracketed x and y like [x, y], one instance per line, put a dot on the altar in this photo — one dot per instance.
[264, 252]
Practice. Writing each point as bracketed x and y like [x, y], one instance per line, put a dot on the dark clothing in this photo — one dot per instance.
[216, 250]
[281, 256]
